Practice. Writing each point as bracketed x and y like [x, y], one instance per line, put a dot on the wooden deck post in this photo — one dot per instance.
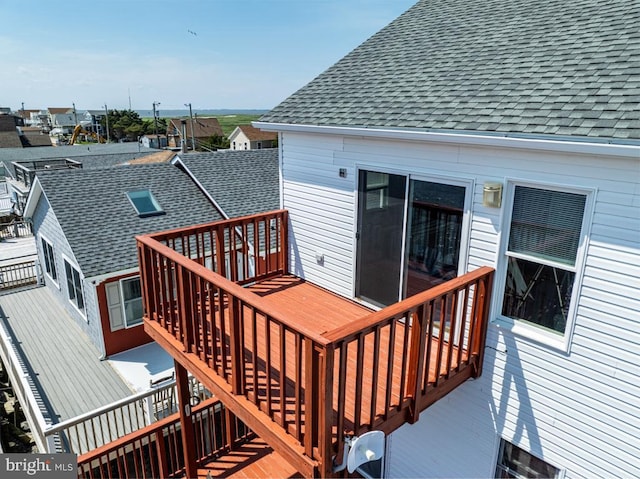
[483, 312]
[284, 245]
[416, 361]
[186, 422]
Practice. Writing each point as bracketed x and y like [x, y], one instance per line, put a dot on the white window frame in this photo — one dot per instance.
[73, 264]
[56, 280]
[525, 329]
[122, 302]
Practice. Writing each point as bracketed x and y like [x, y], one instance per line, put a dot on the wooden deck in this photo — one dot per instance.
[249, 461]
[302, 366]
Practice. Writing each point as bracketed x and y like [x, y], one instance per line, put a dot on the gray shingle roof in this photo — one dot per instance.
[241, 182]
[99, 221]
[550, 67]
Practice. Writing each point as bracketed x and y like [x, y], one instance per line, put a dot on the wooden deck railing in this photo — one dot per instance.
[16, 229]
[314, 386]
[156, 450]
[18, 275]
[108, 423]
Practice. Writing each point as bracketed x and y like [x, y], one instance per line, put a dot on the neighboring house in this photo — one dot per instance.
[247, 137]
[31, 136]
[93, 270]
[9, 137]
[21, 165]
[28, 116]
[154, 141]
[203, 129]
[85, 222]
[463, 138]
[92, 121]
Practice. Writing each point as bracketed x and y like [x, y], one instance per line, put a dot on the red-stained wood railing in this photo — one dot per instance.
[264, 355]
[377, 372]
[156, 451]
[394, 363]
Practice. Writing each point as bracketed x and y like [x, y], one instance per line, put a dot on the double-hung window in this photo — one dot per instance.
[131, 301]
[74, 286]
[49, 259]
[542, 251]
[124, 301]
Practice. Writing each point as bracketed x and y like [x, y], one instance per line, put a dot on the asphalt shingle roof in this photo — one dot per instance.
[241, 182]
[549, 67]
[99, 221]
[91, 156]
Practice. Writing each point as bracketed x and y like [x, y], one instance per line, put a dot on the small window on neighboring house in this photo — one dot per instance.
[544, 239]
[234, 145]
[245, 146]
[514, 462]
[124, 301]
[259, 145]
[144, 203]
[49, 259]
[74, 286]
[131, 301]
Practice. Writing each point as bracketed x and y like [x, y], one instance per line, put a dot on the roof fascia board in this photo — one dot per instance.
[99, 278]
[471, 139]
[32, 199]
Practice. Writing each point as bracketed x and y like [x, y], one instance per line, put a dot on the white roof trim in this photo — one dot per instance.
[467, 138]
[32, 200]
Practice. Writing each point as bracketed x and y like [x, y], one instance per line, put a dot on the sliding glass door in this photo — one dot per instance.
[380, 231]
[408, 238]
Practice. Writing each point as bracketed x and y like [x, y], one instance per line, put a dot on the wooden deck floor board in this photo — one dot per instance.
[251, 460]
[66, 365]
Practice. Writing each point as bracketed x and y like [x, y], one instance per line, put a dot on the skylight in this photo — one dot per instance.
[144, 203]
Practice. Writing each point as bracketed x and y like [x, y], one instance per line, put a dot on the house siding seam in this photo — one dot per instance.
[577, 410]
[46, 223]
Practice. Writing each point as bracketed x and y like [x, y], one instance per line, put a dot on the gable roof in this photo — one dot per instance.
[202, 127]
[10, 139]
[511, 67]
[254, 134]
[100, 222]
[163, 156]
[56, 110]
[240, 182]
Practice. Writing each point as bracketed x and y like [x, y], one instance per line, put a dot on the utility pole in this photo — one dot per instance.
[106, 117]
[193, 137]
[155, 118]
[75, 115]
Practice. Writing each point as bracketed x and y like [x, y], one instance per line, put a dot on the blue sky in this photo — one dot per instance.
[244, 53]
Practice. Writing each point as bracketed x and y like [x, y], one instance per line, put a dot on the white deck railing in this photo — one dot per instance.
[95, 428]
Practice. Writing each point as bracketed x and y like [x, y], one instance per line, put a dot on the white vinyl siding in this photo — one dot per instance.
[576, 409]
